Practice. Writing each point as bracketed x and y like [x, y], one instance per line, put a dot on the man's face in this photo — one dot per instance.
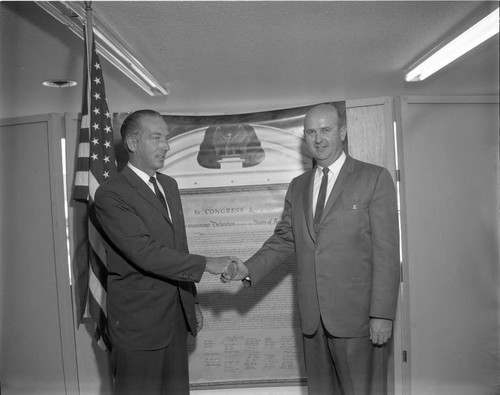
[150, 146]
[323, 136]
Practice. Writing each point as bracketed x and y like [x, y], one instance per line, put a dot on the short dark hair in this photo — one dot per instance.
[132, 124]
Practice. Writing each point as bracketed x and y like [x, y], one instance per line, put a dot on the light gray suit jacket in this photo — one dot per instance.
[349, 271]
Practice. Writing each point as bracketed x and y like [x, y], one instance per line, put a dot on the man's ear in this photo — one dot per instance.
[131, 144]
[343, 132]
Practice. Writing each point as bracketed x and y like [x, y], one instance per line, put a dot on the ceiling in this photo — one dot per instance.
[219, 57]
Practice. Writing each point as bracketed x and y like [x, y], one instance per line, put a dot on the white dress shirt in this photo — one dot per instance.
[334, 170]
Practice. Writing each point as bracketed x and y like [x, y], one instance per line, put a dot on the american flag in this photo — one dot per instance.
[96, 162]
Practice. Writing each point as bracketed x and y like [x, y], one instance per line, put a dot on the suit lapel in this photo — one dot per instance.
[144, 191]
[342, 180]
[344, 175]
[308, 204]
[169, 198]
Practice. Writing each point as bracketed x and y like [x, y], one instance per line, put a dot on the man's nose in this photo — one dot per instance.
[166, 145]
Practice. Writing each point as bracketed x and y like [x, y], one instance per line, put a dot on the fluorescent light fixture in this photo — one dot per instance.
[109, 43]
[471, 38]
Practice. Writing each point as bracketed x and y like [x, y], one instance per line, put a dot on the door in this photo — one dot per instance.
[448, 151]
[37, 348]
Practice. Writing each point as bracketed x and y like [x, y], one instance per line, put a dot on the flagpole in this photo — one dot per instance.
[89, 33]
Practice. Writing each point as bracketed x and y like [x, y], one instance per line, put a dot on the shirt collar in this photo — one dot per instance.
[144, 176]
[335, 166]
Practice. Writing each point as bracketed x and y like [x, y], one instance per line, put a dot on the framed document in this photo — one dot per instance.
[250, 335]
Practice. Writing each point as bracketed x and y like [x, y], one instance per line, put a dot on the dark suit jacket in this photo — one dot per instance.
[150, 268]
[349, 272]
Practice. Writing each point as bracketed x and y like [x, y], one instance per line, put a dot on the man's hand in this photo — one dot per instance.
[222, 265]
[199, 317]
[380, 331]
[240, 274]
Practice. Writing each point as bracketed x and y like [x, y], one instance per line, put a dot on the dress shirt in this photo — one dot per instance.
[334, 170]
[145, 177]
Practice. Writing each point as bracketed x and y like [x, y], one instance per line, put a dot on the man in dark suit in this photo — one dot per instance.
[345, 236]
[151, 296]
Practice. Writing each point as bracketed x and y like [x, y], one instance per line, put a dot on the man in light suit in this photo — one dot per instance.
[151, 296]
[347, 258]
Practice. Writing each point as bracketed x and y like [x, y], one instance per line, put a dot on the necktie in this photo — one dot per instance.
[158, 193]
[321, 199]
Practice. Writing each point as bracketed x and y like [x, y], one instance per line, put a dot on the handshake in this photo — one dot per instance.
[229, 268]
